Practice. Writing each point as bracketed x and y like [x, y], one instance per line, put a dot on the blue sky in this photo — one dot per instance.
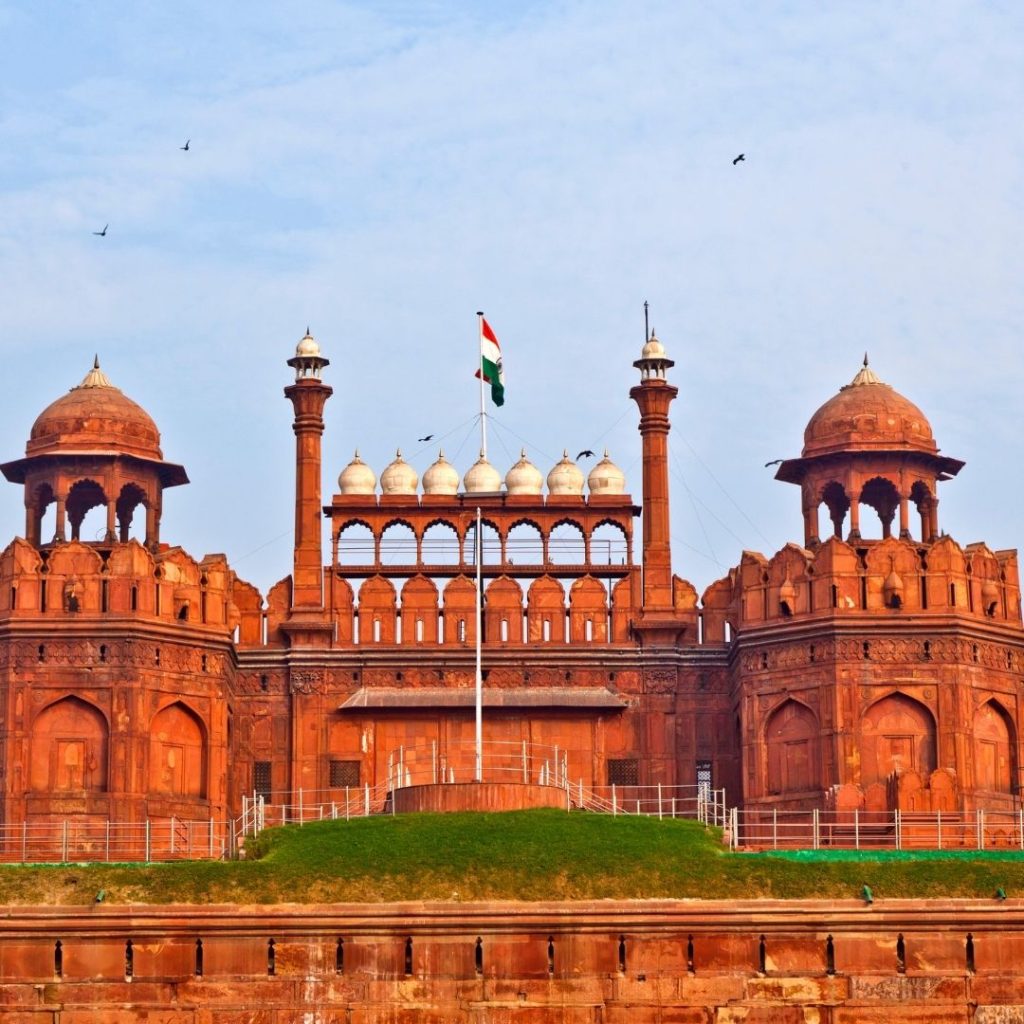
[381, 171]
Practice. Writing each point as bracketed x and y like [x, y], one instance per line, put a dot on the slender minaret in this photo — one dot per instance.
[654, 395]
[308, 396]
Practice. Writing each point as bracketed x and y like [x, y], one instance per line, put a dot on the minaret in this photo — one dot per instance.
[654, 395]
[308, 396]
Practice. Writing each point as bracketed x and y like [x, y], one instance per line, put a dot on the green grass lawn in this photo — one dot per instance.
[528, 855]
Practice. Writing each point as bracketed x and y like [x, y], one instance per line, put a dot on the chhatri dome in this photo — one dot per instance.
[399, 477]
[481, 478]
[868, 415]
[441, 478]
[606, 478]
[357, 477]
[95, 416]
[524, 477]
[565, 477]
[307, 348]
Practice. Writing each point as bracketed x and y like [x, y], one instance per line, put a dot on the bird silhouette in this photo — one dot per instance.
[188, 142]
[103, 233]
[585, 454]
[774, 462]
[429, 437]
[738, 159]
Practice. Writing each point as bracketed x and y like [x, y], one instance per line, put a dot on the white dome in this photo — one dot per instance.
[307, 347]
[399, 477]
[606, 478]
[566, 477]
[481, 478]
[441, 478]
[357, 478]
[653, 349]
[524, 477]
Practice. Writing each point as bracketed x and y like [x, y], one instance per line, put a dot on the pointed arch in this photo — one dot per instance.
[177, 752]
[791, 746]
[69, 745]
[897, 735]
[995, 745]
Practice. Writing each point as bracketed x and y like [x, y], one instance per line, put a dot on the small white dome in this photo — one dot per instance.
[399, 477]
[566, 477]
[524, 477]
[357, 478]
[481, 478]
[441, 478]
[653, 349]
[606, 478]
[307, 347]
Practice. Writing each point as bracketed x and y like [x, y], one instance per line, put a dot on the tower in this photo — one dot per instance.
[308, 395]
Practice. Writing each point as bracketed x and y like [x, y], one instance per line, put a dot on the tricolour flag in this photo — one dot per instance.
[490, 363]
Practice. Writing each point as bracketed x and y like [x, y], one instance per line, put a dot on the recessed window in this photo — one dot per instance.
[623, 771]
[344, 773]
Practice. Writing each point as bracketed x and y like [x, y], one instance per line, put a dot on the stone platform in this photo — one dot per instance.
[477, 796]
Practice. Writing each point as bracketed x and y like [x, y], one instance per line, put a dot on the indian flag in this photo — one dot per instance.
[490, 362]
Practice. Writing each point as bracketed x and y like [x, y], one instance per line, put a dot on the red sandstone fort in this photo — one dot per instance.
[138, 683]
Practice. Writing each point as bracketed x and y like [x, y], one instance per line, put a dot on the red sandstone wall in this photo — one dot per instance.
[597, 962]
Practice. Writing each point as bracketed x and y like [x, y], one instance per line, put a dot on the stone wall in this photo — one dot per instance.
[704, 962]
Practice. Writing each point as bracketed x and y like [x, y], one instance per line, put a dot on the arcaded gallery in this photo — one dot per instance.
[141, 683]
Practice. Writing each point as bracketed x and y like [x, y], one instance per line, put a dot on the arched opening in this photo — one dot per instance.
[791, 739]
[43, 525]
[525, 545]
[838, 504]
[128, 525]
[490, 541]
[398, 544]
[355, 544]
[177, 753]
[69, 748]
[882, 496]
[994, 746]
[608, 545]
[897, 735]
[566, 545]
[924, 502]
[440, 544]
[87, 524]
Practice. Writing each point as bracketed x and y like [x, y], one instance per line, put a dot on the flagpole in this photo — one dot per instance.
[480, 374]
[479, 669]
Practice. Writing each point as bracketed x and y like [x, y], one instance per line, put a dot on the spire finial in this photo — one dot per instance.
[865, 359]
[647, 328]
[308, 335]
[96, 361]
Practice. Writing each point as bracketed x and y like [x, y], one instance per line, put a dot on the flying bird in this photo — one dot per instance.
[738, 159]
[429, 437]
[585, 454]
[103, 233]
[188, 142]
[774, 462]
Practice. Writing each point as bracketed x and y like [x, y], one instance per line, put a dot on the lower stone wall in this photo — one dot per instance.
[703, 962]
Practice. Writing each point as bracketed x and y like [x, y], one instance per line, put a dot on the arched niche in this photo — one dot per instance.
[995, 768]
[897, 735]
[791, 746]
[69, 748]
[177, 753]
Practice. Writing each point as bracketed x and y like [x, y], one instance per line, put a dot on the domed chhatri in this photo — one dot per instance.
[399, 477]
[307, 347]
[524, 477]
[481, 478]
[95, 416]
[357, 477]
[441, 478]
[606, 478]
[865, 415]
[565, 478]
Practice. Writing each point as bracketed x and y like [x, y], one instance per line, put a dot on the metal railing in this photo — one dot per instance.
[772, 829]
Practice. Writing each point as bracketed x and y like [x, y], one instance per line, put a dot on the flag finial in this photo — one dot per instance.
[647, 328]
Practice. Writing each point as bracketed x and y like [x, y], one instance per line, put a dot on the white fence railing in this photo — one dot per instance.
[771, 829]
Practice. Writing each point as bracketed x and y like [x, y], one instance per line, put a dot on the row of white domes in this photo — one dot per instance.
[482, 478]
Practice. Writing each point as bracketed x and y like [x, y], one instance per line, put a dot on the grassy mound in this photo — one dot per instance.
[529, 855]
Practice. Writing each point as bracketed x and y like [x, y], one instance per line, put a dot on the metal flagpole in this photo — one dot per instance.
[479, 671]
[480, 374]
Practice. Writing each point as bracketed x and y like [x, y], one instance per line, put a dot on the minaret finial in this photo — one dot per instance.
[96, 361]
[647, 328]
[865, 359]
